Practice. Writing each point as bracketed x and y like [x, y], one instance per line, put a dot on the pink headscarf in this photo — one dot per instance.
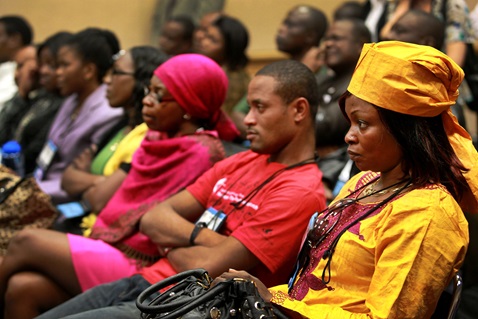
[199, 85]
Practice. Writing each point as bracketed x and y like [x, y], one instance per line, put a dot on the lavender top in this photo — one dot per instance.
[95, 119]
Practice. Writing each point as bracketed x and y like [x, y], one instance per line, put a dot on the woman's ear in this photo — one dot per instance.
[90, 71]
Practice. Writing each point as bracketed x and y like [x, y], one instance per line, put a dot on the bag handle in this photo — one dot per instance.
[7, 192]
[253, 302]
[240, 288]
[175, 309]
[148, 292]
[194, 303]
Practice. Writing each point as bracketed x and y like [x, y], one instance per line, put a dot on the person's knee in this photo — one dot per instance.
[20, 287]
[21, 297]
[23, 252]
[36, 292]
[24, 238]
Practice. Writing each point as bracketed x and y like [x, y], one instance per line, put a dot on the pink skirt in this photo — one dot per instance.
[97, 262]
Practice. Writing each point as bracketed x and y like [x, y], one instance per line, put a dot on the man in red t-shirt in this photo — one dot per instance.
[248, 212]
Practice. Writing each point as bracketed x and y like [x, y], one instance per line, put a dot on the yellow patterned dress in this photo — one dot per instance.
[394, 263]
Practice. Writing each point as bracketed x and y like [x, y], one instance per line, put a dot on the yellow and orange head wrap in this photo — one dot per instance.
[421, 81]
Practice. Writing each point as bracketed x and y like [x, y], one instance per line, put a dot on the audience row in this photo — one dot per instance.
[131, 145]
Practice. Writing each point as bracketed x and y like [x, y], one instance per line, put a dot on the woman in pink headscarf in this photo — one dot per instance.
[182, 111]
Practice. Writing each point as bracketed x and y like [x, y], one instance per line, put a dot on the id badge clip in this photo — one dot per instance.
[45, 158]
[296, 270]
[213, 218]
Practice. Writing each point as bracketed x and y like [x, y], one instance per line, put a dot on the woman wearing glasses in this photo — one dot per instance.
[182, 111]
[396, 234]
[86, 175]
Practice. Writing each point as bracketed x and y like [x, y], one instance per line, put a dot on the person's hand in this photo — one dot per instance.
[27, 78]
[231, 274]
[314, 59]
[83, 161]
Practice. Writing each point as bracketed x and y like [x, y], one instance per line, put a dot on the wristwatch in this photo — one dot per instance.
[197, 228]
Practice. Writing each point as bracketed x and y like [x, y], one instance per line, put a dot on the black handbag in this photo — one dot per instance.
[192, 297]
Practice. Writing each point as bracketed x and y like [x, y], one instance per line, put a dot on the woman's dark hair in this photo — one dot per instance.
[427, 153]
[54, 42]
[236, 40]
[18, 25]
[145, 59]
[96, 46]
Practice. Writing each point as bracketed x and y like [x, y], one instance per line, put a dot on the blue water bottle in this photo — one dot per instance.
[12, 157]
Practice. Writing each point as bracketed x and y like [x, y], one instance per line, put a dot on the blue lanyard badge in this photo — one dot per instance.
[296, 269]
[213, 218]
[44, 159]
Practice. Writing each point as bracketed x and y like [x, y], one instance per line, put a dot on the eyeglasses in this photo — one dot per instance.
[119, 72]
[324, 223]
[156, 96]
[115, 57]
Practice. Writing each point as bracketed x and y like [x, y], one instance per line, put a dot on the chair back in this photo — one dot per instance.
[456, 295]
[449, 301]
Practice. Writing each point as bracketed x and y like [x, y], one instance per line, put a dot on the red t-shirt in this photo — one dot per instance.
[272, 223]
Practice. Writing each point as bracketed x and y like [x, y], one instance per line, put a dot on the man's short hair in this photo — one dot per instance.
[317, 23]
[18, 25]
[359, 30]
[187, 24]
[294, 80]
[350, 10]
[431, 26]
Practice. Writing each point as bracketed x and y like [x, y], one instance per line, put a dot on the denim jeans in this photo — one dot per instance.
[111, 300]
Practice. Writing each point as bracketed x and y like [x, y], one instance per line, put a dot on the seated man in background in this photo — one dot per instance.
[176, 35]
[26, 79]
[350, 10]
[418, 27]
[253, 194]
[298, 36]
[15, 33]
[343, 43]
[300, 33]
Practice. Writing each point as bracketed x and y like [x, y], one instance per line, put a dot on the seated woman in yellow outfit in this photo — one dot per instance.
[396, 234]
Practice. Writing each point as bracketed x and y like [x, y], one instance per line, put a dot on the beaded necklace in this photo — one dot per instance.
[370, 189]
[322, 228]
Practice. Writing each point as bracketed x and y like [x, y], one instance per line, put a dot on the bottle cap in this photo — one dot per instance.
[11, 147]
